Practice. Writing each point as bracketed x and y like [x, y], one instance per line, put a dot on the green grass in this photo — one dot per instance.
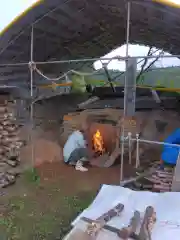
[168, 77]
[44, 213]
[31, 176]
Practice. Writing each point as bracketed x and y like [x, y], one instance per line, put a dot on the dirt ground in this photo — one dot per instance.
[45, 200]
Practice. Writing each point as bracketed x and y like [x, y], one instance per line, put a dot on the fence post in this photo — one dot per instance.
[137, 151]
[130, 146]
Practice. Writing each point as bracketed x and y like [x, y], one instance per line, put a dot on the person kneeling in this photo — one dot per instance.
[76, 150]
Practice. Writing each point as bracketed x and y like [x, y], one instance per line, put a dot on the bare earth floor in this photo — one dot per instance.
[44, 201]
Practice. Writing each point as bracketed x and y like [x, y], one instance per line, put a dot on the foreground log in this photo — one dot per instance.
[95, 226]
[130, 231]
[147, 224]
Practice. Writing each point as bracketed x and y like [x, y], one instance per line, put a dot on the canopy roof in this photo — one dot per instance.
[71, 29]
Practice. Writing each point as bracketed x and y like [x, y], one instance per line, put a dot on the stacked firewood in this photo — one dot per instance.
[161, 180]
[10, 143]
[151, 178]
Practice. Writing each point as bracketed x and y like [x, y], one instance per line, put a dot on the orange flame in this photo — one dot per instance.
[98, 142]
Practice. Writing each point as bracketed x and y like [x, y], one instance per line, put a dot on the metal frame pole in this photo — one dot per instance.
[31, 90]
[120, 58]
[151, 142]
[176, 178]
[125, 88]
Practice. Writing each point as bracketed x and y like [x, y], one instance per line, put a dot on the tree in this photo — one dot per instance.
[147, 65]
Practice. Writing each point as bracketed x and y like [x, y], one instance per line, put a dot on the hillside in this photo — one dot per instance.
[168, 77]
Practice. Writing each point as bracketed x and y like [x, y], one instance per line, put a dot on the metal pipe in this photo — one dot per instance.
[122, 159]
[31, 68]
[137, 151]
[125, 89]
[130, 147]
[120, 58]
[156, 142]
[13, 64]
[127, 54]
[31, 89]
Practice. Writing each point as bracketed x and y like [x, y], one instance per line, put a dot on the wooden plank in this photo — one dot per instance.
[91, 100]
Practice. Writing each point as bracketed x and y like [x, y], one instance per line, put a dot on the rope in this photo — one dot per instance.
[32, 65]
[65, 75]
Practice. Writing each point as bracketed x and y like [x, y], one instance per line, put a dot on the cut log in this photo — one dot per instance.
[156, 179]
[147, 224]
[112, 158]
[8, 140]
[128, 232]
[12, 163]
[94, 228]
[164, 174]
[162, 187]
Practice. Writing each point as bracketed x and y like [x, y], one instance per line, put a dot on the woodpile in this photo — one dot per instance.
[10, 143]
[162, 180]
[151, 179]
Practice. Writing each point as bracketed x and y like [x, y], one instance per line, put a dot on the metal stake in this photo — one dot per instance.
[137, 151]
[31, 89]
[130, 147]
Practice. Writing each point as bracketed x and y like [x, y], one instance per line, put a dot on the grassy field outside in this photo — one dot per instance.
[167, 77]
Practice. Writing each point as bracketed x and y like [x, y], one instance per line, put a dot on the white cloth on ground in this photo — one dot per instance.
[75, 140]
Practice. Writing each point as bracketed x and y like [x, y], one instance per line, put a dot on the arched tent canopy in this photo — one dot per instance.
[71, 29]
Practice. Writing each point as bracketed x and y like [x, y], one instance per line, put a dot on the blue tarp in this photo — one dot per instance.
[170, 154]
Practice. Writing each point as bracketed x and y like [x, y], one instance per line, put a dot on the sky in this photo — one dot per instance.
[12, 8]
[174, 1]
[135, 50]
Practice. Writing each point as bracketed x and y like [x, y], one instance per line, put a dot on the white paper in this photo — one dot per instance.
[166, 205]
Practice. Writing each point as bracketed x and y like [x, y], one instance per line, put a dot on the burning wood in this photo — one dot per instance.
[98, 143]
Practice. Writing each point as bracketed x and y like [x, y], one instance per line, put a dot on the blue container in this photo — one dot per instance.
[170, 154]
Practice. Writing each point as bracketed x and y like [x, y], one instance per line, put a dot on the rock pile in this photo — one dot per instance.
[10, 143]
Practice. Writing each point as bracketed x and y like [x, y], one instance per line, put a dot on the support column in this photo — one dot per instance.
[125, 90]
[130, 96]
[176, 179]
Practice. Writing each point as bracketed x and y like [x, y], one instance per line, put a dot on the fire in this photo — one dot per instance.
[98, 142]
